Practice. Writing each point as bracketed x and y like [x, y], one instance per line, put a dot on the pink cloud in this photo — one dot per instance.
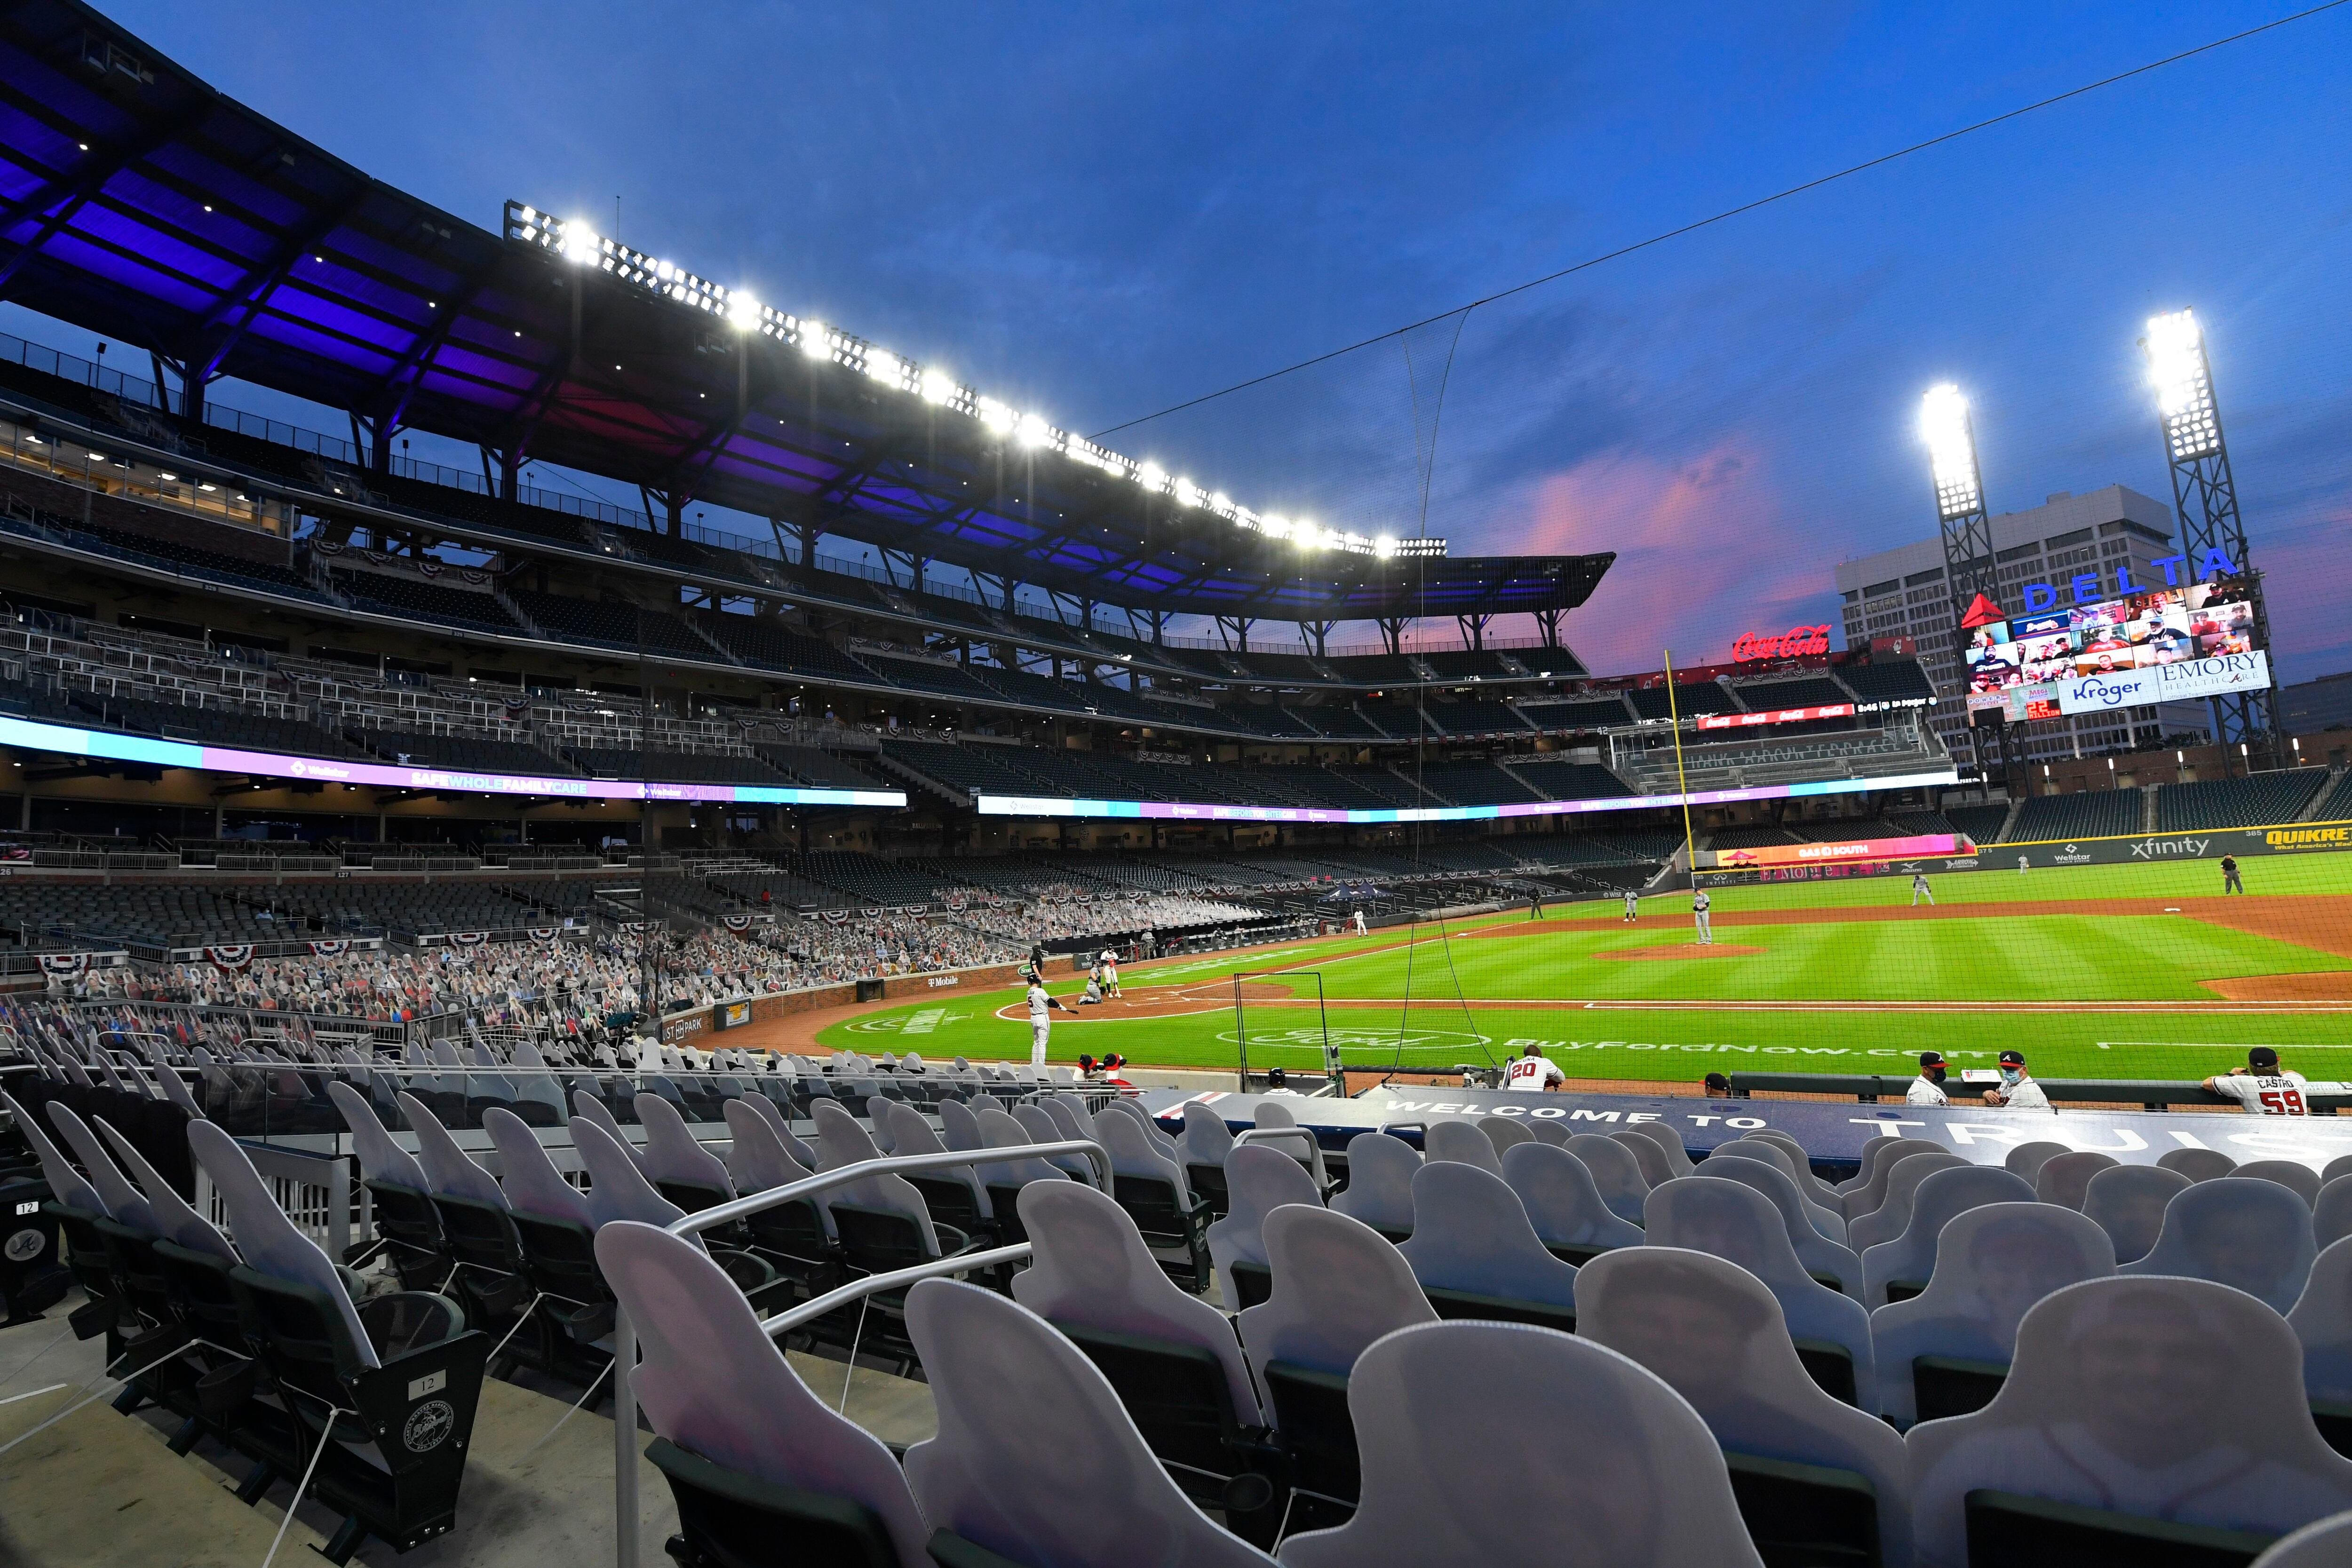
[1700, 555]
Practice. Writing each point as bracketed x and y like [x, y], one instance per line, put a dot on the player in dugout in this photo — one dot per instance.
[2262, 1088]
[2018, 1091]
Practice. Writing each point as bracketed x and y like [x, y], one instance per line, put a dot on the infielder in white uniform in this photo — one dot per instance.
[2262, 1088]
[1700, 917]
[1040, 1025]
[1919, 889]
[1632, 905]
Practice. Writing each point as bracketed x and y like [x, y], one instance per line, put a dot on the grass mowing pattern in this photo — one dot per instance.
[2163, 979]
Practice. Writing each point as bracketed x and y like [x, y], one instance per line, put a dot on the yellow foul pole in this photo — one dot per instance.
[1682, 783]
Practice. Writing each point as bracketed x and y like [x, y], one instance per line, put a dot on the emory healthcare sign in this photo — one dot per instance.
[2163, 683]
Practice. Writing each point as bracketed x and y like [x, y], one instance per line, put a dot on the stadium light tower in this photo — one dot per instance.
[2205, 495]
[1967, 528]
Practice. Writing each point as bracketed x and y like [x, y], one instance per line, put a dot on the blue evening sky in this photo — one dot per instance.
[1096, 211]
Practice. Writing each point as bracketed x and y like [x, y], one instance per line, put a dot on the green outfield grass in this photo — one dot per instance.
[2119, 993]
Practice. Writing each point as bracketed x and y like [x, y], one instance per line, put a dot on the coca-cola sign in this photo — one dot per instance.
[1797, 642]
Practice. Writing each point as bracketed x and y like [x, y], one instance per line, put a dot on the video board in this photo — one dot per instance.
[2161, 645]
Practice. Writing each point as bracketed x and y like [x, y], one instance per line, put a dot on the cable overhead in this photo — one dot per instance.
[1729, 213]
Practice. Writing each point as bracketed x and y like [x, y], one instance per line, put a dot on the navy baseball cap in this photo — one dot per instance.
[1931, 1059]
[2012, 1059]
[2261, 1056]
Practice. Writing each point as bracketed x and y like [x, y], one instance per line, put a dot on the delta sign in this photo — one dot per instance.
[2087, 588]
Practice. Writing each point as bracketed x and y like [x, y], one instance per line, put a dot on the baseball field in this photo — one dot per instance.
[2092, 972]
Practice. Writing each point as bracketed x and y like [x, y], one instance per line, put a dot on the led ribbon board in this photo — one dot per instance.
[1035, 806]
[32, 736]
[1927, 847]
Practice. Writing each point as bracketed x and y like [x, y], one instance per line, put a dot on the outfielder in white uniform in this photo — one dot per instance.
[1919, 889]
[1040, 1025]
[1632, 905]
[1359, 923]
[2262, 1087]
[1700, 917]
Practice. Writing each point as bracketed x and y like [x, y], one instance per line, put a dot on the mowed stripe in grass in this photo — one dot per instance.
[2289, 874]
[2020, 957]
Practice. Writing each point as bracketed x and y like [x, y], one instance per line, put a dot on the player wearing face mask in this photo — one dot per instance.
[2018, 1091]
[1928, 1088]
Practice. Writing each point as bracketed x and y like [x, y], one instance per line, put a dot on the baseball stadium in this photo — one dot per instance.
[635, 925]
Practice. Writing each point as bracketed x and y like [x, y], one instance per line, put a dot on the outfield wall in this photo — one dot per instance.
[2207, 844]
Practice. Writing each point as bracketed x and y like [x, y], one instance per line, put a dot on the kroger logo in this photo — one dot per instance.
[2103, 693]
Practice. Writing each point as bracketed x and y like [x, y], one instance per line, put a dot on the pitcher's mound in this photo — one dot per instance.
[2324, 985]
[1681, 950]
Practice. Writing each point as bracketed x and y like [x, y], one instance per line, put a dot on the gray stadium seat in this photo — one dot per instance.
[1678, 1160]
[1945, 1351]
[1817, 1192]
[679, 1167]
[1831, 1262]
[1043, 1128]
[1381, 1168]
[1900, 1267]
[1735, 1221]
[1173, 1358]
[401, 1377]
[1616, 1174]
[2322, 1322]
[2065, 1179]
[1647, 1154]
[2198, 1165]
[1000, 1377]
[1715, 1334]
[2026, 1159]
[2139, 1406]
[2128, 1202]
[2254, 1236]
[1648, 1484]
[2293, 1174]
[2331, 1213]
[752, 1455]
[1475, 1254]
[399, 1194]
[1338, 1287]
[586, 1107]
[1868, 1190]
[953, 1193]
[1503, 1131]
[1258, 1180]
[1562, 1203]
[1886, 1222]
[1827, 1219]
[1465, 1141]
[2326, 1544]
[1152, 1188]
[1207, 1141]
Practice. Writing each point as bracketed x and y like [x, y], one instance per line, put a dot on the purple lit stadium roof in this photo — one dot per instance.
[139, 203]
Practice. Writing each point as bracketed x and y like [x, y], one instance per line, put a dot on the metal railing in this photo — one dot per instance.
[624, 1333]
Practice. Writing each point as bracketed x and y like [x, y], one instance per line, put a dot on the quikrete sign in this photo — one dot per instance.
[1797, 642]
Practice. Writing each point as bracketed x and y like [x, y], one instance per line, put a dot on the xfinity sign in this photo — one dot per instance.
[2165, 683]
